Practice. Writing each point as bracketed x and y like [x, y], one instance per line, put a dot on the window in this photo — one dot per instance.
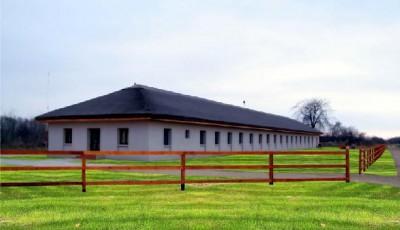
[240, 138]
[187, 133]
[229, 138]
[202, 137]
[300, 137]
[123, 135]
[274, 139]
[68, 136]
[216, 138]
[251, 138]
[291, 140]
[280, 139]
[287, 139]
[167, 137]
[267, 138]
[259, 138]
[295, 138]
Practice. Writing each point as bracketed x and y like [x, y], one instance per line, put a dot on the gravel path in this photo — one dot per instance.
[396, 156]
[368, 178]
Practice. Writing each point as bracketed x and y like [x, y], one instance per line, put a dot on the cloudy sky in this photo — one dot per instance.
[270, 53]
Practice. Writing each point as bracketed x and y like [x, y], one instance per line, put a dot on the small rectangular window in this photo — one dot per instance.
[251, 138]
[291, 140]
[187, 133]
[167, 137]
[267, 138]
[274, 139]
[300, 137]
[68, 136]
[259, 138]
[123, 136]
[295, 138]
[280, 139]
[240, 138]
[287, 139]
[229, 138]
[216, 138]
[202, 137]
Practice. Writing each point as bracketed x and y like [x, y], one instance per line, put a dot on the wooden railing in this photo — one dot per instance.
[368, 156]
[269, 165]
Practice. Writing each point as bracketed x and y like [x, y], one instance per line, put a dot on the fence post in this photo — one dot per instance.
[359, 161]
[347, 165]
[183, 171]
[370, 157]
[364, 160]
[83, 157]
[271, 168]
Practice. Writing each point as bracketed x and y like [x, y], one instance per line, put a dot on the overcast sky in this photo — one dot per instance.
[270, 53]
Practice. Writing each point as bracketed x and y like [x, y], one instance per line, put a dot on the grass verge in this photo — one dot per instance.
[310, 205]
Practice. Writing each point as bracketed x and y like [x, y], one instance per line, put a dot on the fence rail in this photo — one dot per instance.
[182, 167]
[368, 156]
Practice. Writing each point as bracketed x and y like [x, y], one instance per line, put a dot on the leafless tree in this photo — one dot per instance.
[313, 112]
[17, 132]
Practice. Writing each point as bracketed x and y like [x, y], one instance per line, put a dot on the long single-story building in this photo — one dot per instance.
[150, 119]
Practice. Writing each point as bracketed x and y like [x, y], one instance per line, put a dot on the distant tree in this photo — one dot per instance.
[394, 140]
[313, 112]
[336, 129]
[343, 135]
[19, 132]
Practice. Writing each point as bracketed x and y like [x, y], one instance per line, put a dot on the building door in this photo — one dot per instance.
[94, 139]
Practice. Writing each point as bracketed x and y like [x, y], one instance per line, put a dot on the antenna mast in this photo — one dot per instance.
[47, 91]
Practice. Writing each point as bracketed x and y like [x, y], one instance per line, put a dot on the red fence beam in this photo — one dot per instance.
[183, 167]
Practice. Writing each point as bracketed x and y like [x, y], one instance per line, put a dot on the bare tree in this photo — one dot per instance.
[313, 112]
[17, 132]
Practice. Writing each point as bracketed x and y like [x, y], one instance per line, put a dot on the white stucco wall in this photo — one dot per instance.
[146, 135]
[138, 136]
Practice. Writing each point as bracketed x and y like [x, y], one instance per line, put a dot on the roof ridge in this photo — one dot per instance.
[141, 86]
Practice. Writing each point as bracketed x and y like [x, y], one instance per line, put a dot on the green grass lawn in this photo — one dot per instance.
[24, 157]
[310, 205]
[303, 205]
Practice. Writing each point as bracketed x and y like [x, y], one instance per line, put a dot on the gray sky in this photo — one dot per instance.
[270, 53]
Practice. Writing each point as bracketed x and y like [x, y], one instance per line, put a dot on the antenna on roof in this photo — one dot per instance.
[47, 91]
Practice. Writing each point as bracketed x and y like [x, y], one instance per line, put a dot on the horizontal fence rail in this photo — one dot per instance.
[84, 155]
[368, 156]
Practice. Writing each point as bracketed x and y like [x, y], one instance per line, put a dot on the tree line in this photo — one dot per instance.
[17, 132]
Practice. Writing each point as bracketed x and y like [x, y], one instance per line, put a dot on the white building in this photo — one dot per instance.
[150, 119]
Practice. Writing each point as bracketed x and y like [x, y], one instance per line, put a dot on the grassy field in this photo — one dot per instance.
[307, 205]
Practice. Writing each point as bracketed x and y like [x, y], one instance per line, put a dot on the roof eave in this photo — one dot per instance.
[165, 118]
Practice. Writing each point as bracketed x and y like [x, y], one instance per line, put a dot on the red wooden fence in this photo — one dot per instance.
[368, 156]
[270, 166]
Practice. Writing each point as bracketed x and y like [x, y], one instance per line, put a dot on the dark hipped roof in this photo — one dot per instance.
[144, 101]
